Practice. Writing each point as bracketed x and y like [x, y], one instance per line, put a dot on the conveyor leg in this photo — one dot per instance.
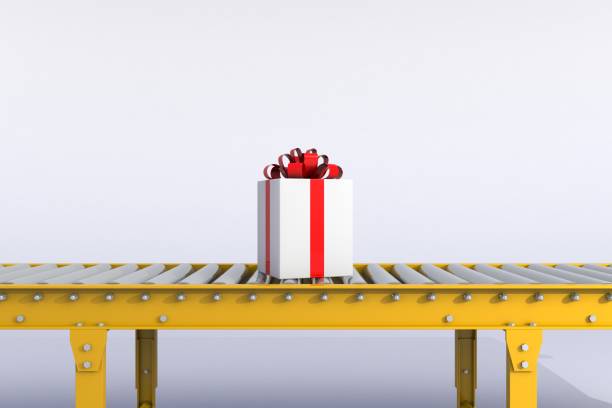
[89, 350]
[465, 368]
[523, 349]
[146, 367]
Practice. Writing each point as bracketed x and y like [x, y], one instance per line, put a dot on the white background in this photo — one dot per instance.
[473, 131]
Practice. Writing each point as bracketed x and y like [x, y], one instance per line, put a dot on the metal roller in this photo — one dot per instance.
[141, 275]
[439, 275]
[379, 275]
[21, 272]
[171, 276]
[586, 272]
[232, 276]
[502, 275]
[574, 277]
[43, 277]
[108, 276]
[71, 276]
[595, 267]
[356, 278]
[16, 267]
[257, 278]
[202, 275]
[471, 275]
[407, 274]
[537, 276]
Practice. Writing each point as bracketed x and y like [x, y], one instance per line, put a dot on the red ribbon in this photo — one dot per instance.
[303, 165]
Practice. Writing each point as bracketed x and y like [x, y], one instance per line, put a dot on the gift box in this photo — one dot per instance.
[305, 218]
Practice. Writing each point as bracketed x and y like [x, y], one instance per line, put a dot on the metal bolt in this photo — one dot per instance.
[145, 296]
[395, 297]
[86, 365]
[109, 297]
[20, 318]
[145, 371]
[449, 318]
[467, 297]
[538, 297]
[288, 297]
[431, 297]
[324, 297]
[37, 297]
[163, 319]
[217, 297]
[87, 347]
[180, 297]
[609, 297]
[79, 324]
[524, 347]
[101, 324]
[592, 318]
[252, 297]
[502, 297]
[574, 297]
[2, 297]
[524, 364]
[511, 324]
[532, 324]
[466, 371]
[360, 297]
[73, 297]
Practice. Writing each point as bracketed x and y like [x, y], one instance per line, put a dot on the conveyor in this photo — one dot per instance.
[90, 299]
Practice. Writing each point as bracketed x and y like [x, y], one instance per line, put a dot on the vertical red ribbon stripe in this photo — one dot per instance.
[317, 228]
[267, 227]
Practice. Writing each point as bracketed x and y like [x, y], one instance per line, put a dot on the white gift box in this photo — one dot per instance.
[305, 228]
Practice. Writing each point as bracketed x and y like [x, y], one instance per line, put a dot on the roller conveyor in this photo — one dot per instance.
[88, 300]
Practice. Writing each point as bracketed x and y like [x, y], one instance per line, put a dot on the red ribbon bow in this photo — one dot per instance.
[303, 165]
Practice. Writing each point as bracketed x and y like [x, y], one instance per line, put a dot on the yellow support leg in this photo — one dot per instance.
[523, 349]
[89, 350]
[146, 367]
[465, 368]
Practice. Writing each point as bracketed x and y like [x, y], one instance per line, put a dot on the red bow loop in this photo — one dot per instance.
[303, 165]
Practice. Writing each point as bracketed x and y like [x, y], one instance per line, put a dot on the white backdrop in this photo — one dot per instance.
[473, 131]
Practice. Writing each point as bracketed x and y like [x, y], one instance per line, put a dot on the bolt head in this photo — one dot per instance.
[217, 297]
[109, 297]
[592, 318]
[574, 297]
[145, 371]
[511, 324]
[252, 297]
[324, 297]
[466, 371]
[3, 297]
[288, 297]
[79, 324]
[101, 324]
[163, 319]
[503, 297]
[467, 297]
[524, 347]
[181, 297]
[395, 297]
[73, 297]
[37, 297]
[532, 324]
[20, 318]
[449, 318]
[86, 365]
[538, 297]
[145, 296]
[431, 297]
[609, 297]
[87, 347]
[524, 364]
[360, 297]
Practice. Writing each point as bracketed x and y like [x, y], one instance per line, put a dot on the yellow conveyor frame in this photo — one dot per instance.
[523, 311]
